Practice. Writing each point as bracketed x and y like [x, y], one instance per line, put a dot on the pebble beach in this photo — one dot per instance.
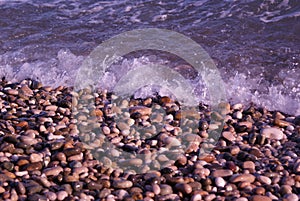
[51, 150]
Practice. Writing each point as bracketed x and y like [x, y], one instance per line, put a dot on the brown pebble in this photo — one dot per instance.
[54, 171]
[272, 133]
[122, 184]
[94, 186]
[222, 173]
[72, 151]
[20, 188]
[260, 198]
[34, 157]
[264, 180]
[184, 188]
[34, 166]
[165, 189]
[51, 108]
[61, 195]
[207, 158]
[140, 109]
[249, 165]
[259, 191]
[242, 177]
[228, 136]
[2, 190]
[281, 123]
[234, 150]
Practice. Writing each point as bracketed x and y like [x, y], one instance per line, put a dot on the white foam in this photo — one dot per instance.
[240, 88]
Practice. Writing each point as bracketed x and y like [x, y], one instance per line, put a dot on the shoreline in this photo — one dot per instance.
[44, 156]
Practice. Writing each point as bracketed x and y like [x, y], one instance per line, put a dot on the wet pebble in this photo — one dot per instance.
[165, 189]
[222, 173]
[61, 195]
[242, 177]
[54, 171]
[272, 133]
[260, 198]
[220, 182]
[184, 188]
[122, 184]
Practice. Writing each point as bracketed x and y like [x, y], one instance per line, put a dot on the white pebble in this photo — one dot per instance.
[220, 182]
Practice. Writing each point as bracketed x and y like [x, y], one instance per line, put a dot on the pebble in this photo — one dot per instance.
[165, 189]
[249, 165]
[297, 167]
[122, 184]
[242, 177]
[228, 136]
[264, 179]
[54, 171]
[61, 195]
[220, 182]
[291, 197]
[184, 188]
[196, 197]
[2, 190]
[140, 109]
[260, 198]
[238, 115]
[241, 199]
[34, 157]
[272, 133]
[51, 195]
[222, 173]
[34, 166]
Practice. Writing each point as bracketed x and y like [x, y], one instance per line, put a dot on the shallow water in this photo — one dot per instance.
[254, 44]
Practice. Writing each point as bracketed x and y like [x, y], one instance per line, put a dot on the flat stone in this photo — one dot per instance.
[222, 173]
[249, 165]
[25, 91]
[8, 165]
[122, 184]
[140, 109]
[228, 136]
[34, 166]
[20, 188]
[169, 197]
[51, 195]
[241, 199]
[94, 186]
[34, 157]
[260, 198]
[13, 92]
[72, 151]
[165, 189]
[297, 167]
[54, 171]
[291, 197]
[184, 188]
[61, 195]
[220, 182]
[242, 177]
[247, 124]
[33, 189]
[264, 179]
[196, 197]
[28, 140]
[273, 133]
[132, 162]
[51, 108]
[2, 190]
[281, 123]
